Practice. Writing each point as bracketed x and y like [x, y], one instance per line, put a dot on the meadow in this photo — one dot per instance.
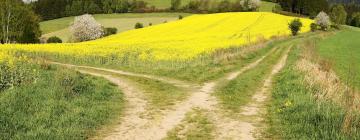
[206, 76]
[341, 50]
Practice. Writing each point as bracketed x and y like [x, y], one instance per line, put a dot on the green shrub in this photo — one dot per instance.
[355, 21]
[181, 17]
[15, 73]
[110, 31]
[313, 27]
[150, 24]
[338, 15]
[54, 39]
[139, 25]
[295, 26]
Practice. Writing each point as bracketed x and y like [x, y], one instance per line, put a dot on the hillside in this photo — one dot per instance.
[183, 39]
[123, 22]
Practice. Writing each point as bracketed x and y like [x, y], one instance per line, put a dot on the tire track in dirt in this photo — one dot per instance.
[250, 118]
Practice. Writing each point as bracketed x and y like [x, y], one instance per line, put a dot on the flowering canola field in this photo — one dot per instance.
[175, 41]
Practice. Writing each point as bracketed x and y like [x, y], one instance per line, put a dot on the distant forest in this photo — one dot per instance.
[345, 1]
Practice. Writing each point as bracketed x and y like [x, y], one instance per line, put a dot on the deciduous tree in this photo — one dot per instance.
[86, 28]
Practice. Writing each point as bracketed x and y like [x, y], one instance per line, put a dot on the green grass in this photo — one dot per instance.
[294, 112]
[267, 6]
[123, 22]
[343, 52]
[160, 94]
[61, 23]
[196, 126]
[61, 104]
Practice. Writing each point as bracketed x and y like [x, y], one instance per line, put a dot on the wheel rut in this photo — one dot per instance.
[246, 125]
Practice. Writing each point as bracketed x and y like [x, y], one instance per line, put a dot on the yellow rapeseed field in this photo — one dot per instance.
[175, 41]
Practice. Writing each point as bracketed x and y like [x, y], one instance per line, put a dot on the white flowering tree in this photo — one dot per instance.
[323, 20]
[250, 5]
[86, 28]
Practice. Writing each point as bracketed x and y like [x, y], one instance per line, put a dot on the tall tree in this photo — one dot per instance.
[338, 14]
[18, 22]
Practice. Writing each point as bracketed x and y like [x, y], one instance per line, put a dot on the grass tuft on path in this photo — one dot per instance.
[238, 92]
[196, 126]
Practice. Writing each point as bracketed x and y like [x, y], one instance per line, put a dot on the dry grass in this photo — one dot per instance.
[318, 73]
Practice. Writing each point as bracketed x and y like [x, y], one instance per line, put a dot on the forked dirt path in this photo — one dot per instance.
[249, 119]
[134, 127]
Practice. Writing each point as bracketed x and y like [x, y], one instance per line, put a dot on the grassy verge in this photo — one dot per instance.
[342, 50]
[295, 113]
[61, 104]
[196, 126]
[239, 91]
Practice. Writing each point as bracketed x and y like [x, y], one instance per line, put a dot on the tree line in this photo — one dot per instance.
[51, 9]
[312, 7]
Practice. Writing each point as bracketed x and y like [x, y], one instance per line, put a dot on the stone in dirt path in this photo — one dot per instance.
[250, 118]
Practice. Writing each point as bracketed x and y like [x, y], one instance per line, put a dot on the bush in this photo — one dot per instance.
[323, 20]
[150, 24]
[110, 31]
[54, 39]
[355, 19]
[295, 26]
[251, 5]
[16, 72]
[313, 27]
[181, 17]
[139, 25]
